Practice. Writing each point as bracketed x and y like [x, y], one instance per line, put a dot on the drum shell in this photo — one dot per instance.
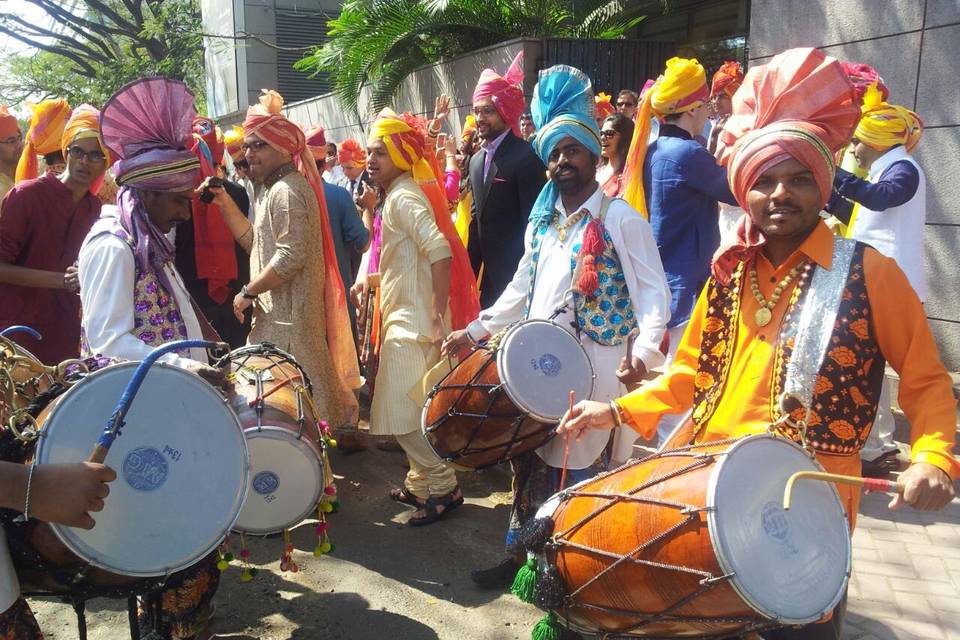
[636, 588]
[277, 417]
[448, 434]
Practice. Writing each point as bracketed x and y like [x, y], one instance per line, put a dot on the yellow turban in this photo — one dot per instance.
[232, 139]
[43, 136]
[404, 143]
[682, 87]
[83, 124]
[884, 125]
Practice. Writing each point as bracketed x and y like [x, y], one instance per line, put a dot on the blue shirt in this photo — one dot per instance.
[683, 183]
[349, 234]
[896, 186]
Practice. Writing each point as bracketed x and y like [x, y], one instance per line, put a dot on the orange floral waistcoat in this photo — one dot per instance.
[847, 387]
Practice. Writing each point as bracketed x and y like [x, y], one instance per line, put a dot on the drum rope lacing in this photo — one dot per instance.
[707, 581]
[493, 391]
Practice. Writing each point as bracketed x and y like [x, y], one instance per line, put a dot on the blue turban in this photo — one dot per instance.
[562, 106]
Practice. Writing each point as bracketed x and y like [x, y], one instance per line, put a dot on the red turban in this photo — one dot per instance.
[505, 91]
[800, 105]
[728, 78]
[265, 121]
[350, 153]
[603, 108]
[862, 76]
[8, 123]
[316, 141]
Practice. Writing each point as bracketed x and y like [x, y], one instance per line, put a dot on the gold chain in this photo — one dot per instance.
[569, 222]
[764, 314]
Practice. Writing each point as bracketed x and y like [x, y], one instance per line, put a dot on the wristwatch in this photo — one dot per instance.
[246, 293]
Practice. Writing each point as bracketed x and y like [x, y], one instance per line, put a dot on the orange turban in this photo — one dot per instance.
[603, 108]
[728, 78]
[265, 121]
[43, 136]
[84, 123]
[800, 105]
[351, 154]
[316, 141]
[8, 123]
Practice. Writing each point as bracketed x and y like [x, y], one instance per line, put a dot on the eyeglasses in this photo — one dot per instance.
[79, 154]
[622, 103]
[608, 133]
[12, 139]
[256, 147]
[486, 110]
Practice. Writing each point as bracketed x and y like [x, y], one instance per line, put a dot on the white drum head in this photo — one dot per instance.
[793, 565]
[181, 463]
[286, 478]
[540, 363]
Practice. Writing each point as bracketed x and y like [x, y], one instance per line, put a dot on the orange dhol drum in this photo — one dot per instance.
[693, 542]
[505, 398]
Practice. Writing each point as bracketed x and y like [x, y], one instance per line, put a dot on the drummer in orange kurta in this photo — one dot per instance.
[728, 364]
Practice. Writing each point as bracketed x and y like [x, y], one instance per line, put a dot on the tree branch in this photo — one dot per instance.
[60, 51]
[32, 30]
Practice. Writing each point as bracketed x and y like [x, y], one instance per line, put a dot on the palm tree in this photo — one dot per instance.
[384, 41]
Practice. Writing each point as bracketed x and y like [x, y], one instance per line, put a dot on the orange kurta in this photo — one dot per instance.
[902, 333]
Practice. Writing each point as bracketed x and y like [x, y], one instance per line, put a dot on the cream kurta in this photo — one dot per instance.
[412, 242]
[288, 237]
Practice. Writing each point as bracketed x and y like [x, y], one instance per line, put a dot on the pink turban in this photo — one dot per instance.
[316, 140]
[862, 76]
[800, 105]
[506, 92]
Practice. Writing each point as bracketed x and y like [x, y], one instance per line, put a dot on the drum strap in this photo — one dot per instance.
[817, 319]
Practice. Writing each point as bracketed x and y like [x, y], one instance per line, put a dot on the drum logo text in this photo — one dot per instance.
[548, 364]
[775, 524]
[145, 469]
[266, 483]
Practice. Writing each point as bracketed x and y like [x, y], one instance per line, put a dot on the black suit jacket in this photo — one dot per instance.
[501, 207]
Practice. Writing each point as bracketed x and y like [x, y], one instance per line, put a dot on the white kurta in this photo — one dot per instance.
[898, 231]
[649, 294]
[107, 277]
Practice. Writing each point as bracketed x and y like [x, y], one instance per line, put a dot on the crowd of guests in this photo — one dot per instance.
[374, 261]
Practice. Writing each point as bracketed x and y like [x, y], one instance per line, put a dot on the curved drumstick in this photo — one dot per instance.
[115, 422]
[870, 484]
[20, 328]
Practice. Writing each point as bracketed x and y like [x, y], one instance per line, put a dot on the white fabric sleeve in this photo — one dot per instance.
[510, 305]
[633, 239]
[106, 269]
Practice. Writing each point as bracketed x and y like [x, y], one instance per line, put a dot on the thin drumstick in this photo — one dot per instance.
[566, 446]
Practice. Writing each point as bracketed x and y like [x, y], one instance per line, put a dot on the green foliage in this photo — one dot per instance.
[96, 46]
[383, 41]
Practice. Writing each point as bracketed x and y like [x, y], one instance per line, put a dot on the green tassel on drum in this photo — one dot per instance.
[525, 583]
[547, 629]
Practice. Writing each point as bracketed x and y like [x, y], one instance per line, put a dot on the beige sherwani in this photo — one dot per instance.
[287, 236]
[411, 243]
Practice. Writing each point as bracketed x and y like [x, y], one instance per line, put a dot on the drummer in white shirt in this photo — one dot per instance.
[626, 283]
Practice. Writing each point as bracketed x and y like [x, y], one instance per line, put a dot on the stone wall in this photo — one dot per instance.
[915, 45]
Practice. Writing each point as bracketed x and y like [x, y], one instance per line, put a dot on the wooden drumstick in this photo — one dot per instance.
[566, 444]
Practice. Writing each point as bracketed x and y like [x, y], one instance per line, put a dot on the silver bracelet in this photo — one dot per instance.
[26, 502]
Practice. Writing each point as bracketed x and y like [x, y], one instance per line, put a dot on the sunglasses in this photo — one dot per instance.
[256, 147]
[79, 154]
[608, 133]
[626, 104]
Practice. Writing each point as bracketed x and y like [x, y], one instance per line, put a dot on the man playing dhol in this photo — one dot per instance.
[618, 285]
[734, 359]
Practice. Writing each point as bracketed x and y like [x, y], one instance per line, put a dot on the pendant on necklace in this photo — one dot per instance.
[763, 316]
[562, 233]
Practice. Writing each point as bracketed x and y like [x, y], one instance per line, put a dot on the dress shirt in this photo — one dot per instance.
[649, 294]
[489, 149]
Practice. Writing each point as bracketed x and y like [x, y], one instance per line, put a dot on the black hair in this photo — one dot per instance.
[624, 126]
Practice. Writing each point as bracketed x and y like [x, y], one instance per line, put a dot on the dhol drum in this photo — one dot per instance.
[288, 463]
[694, 542]
[505, 398]
[182, 468]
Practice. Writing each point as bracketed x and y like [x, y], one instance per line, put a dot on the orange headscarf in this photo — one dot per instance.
[8, 123]
[800, 105]
[84, 123]
[727, 79]
[265, 121]
[43, 136]
[351, 154]
[603, 108]
[404, 137]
